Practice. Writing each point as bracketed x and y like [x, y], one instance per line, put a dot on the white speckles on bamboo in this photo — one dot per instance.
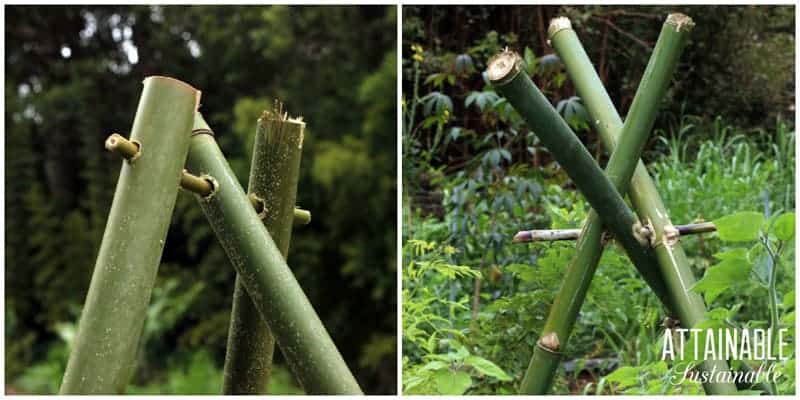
[274, 291]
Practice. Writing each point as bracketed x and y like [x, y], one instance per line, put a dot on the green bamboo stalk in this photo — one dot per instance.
[274, 173]
[306, 345]
[514, 84]
[104, 352]
[674, 266]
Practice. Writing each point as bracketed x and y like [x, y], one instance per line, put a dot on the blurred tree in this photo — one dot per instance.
[73, 75]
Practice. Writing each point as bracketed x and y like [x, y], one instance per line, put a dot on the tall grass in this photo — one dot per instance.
[733, 170]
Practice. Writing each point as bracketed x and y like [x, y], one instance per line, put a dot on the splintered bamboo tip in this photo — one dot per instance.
[503, 67]
[279, 114]
[558, 24]
[522, 237]
[680, 21]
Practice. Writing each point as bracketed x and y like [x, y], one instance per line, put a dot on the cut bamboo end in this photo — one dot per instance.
[522, 237]
[680, 22]
[281, 126]
[127, 149]
[301, 217]
[550, 343]
[503, 67]
[558, 24]
[166, 80]
[279, 114]
[200, 185]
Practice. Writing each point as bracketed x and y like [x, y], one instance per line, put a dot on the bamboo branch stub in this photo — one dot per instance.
[128, 149]
[200, 185]
[301, 217]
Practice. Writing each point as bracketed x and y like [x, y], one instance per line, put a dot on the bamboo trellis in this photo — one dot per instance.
[650, 241]
[168, 135]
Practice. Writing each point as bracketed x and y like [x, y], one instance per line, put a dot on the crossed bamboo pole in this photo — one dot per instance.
[311, 354]
[624, 159]
[168, 133]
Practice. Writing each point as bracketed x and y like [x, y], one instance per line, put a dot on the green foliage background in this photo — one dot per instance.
[73, 76]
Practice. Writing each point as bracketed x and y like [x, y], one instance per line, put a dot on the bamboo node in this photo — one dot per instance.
[558, 24]
[200, 126]
[549, 343]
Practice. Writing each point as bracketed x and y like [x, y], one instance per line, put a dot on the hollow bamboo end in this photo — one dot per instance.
[681, 22]
[113, 141]
[503, 67]
[558, 24]
[128, 149]
[177, 83]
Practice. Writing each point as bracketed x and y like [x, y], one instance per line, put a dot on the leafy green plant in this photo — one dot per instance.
[435, 361]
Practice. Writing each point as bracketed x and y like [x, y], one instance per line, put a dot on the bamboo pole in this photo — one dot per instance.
[554, 235]
[511, 82]
[274, 172]
[306, 345]
[674, 267]
[104, 351]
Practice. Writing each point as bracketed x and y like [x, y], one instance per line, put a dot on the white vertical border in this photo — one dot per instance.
[399, 191]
